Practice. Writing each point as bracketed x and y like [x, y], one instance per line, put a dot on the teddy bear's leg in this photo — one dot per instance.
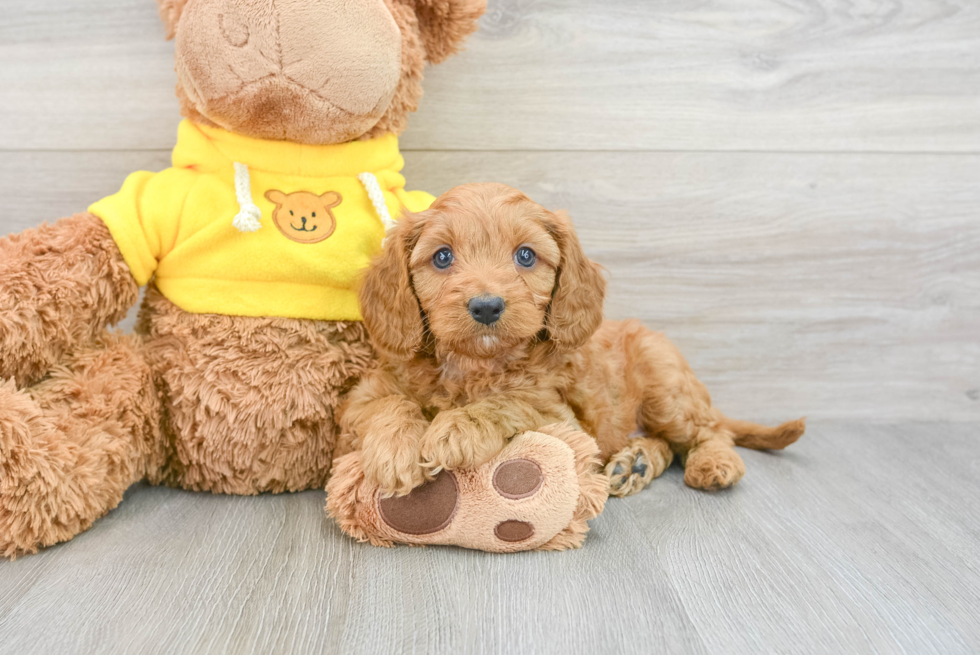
[634, 467]
[538, 493]
[73, 443]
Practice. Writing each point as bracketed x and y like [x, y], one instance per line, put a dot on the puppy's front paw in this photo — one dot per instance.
[393, 463]
[455, 441]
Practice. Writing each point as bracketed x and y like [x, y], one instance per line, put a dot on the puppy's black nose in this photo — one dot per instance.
[486, 309]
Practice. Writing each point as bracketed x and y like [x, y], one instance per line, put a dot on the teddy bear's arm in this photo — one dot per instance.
[60, 286]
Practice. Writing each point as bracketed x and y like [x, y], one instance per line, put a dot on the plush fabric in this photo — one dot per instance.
[59, 286]
[177, 225]
[204, 402]
[272, 82]
[444, 24]
[200, 400]
[72, 444]
[314, 72]
[248, 403]
[553, 516]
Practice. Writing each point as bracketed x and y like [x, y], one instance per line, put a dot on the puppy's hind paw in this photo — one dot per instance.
[713, 468]
[633, 468]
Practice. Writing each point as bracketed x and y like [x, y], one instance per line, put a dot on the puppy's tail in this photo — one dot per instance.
[761, 437]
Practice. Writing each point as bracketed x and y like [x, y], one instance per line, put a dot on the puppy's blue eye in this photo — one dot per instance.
[443, 258]
[525, 257]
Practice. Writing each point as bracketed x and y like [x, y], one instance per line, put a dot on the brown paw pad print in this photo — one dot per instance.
[514, 531]
[428, 508]
[519, 500]
[432, 506]
[516, 479]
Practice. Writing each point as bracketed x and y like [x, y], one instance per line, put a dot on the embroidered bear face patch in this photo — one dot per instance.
[304, 217]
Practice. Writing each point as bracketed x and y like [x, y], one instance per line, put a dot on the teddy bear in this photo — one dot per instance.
[286, 174]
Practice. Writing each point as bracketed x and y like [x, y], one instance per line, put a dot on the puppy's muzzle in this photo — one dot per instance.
[486, 309]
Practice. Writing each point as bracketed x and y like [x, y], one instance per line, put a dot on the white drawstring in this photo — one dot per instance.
[377, 197]
[249, 218]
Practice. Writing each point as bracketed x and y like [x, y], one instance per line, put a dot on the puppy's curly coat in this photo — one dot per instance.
[487, 317]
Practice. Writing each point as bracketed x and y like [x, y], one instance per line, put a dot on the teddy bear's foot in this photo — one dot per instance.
[634, 467]
[537, 493]
[71, 445]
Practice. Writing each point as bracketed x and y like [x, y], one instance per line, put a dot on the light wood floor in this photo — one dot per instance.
[790, 189]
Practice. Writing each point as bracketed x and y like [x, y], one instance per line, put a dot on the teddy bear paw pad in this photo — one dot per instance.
[513, 531]
[519, 500]
[517, 478]
[427, 509]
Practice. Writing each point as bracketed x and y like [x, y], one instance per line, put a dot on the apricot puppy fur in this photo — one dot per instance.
[487, 317]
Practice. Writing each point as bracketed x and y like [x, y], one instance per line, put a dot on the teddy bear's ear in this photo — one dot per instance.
[170, 15]
[444, 24]
[277, 197]
[331, 199]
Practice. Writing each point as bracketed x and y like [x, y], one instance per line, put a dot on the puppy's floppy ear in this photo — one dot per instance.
[391, 311]
[576, 302]
[443, 24]
[170, 11]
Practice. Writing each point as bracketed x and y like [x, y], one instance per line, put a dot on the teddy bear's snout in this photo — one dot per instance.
[273, 70]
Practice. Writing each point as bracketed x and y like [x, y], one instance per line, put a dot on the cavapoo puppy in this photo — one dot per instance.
[487, 318]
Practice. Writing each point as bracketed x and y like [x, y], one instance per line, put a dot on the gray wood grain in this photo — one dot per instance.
[833, 286]
[858, 539]
[816, 75]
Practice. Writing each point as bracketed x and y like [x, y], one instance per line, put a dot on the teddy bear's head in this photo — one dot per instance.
[310, 71]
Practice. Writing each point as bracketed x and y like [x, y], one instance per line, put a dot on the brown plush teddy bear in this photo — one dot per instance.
[285, 175]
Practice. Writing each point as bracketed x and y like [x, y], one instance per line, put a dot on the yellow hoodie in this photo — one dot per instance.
[247, 227]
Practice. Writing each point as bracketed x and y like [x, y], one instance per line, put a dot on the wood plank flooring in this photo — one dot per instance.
[860, 539]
